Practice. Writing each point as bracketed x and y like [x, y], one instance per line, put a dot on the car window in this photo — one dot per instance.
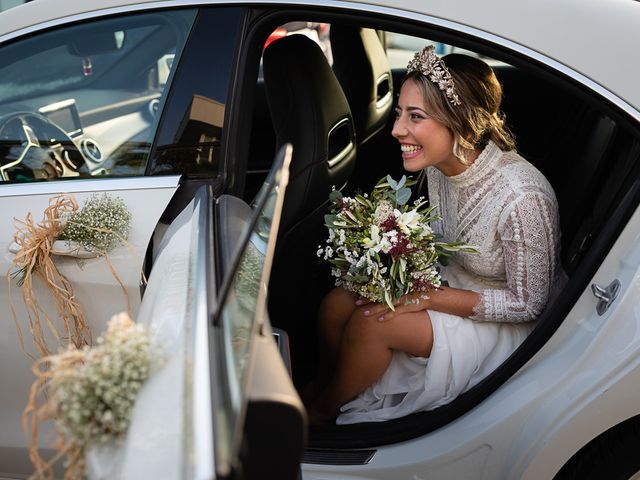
[190, 140]
[401, 48]
[82, 101]
[7, 4]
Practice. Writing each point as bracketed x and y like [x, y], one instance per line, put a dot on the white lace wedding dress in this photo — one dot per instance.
[504, 205]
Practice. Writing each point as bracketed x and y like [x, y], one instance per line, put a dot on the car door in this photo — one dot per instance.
[224, 393]
[84, 113]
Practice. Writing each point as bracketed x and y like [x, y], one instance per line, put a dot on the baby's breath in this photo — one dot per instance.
[95, 399]
[100, 225]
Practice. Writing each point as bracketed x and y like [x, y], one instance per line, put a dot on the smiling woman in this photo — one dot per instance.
[441, 345]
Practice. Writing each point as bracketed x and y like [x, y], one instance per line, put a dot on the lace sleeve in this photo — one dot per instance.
[529, 232]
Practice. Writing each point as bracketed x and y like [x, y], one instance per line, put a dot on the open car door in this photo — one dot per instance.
[223, 406]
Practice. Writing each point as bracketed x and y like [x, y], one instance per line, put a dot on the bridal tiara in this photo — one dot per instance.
[432, 67]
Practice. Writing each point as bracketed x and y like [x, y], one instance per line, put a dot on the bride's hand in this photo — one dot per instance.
[413, 302]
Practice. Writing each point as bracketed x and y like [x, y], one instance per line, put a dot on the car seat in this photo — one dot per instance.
[308, 109]
[361, 65]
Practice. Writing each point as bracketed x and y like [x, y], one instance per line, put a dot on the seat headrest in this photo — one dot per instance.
[309, 109]
[361, 65]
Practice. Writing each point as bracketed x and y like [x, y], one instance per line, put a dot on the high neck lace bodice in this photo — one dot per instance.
[506, 207]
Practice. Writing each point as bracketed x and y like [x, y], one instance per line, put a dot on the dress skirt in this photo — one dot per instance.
[464, 352]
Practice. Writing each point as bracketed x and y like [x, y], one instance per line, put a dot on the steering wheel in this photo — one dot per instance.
[33, 147]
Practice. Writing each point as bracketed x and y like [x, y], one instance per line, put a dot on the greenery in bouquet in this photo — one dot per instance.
[100, 225]
[381, 247]
[90, 392]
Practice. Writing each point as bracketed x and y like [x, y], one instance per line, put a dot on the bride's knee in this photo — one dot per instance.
[337, 304]
[361, 328]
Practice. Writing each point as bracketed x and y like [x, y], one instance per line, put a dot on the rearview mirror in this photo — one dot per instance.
[97, 42]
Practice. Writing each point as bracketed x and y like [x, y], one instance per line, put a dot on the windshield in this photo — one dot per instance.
[76, 57]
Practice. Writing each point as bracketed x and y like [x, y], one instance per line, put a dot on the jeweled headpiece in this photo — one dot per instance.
[431, 66]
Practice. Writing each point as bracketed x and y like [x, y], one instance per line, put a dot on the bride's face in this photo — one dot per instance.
[424, 141]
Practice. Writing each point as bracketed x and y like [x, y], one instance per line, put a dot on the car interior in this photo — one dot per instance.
[339, 107]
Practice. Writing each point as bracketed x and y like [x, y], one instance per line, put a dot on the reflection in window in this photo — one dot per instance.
[196, 148]
[83, 100]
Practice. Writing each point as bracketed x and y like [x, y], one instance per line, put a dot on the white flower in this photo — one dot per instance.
[94, 398]
[342, 237]
[408, 221]
[374, 238]
[382, 212]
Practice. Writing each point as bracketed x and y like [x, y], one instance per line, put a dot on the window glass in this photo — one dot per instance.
[190, 140]
[401, 48]
[82, 101]
[243, 302]
[7, 4]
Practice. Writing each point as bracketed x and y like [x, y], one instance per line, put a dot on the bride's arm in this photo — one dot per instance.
[530, 240]
[446, 299]
[529, 235]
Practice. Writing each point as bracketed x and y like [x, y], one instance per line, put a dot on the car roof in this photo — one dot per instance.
[596, 38]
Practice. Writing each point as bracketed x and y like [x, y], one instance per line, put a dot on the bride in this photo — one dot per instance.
[377, 364]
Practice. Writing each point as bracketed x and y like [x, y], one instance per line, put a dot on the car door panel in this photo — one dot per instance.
[152, 448]
[97, 290]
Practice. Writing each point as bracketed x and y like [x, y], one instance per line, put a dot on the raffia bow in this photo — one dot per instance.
[34, 260]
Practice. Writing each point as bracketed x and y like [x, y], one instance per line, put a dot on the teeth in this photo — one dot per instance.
[410, 148]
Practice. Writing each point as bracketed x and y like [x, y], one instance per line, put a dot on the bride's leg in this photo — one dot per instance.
[335, 310]
[365, 353]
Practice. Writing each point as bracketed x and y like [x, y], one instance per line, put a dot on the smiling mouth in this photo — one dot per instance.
[410, 149]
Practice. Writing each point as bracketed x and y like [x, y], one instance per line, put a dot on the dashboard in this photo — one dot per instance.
[45, 139]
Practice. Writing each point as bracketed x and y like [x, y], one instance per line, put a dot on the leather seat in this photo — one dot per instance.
[308, 109]
[361, 65]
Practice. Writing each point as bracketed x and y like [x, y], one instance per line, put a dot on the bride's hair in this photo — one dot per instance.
[478, 118]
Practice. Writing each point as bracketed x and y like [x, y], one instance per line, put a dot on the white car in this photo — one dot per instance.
[162, 104]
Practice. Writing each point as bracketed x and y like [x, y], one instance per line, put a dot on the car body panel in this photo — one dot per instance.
[165, 449]
[146, 199]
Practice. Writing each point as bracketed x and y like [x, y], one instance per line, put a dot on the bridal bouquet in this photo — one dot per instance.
[382, 248]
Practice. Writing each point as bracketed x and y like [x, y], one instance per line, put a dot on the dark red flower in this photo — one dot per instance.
[389, 224]
[422, 285]
[400, 248]
[341, 204]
